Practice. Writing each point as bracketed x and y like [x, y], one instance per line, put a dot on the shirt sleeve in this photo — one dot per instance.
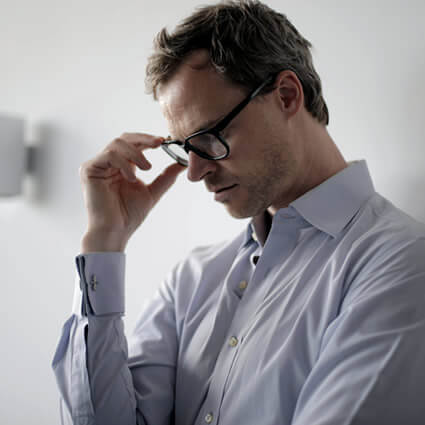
[370, 370]
[91, 364]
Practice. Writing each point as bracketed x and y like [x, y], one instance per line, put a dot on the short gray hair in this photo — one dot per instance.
[247, 42]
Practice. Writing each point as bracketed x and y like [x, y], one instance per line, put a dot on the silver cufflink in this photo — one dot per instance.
[93, 282]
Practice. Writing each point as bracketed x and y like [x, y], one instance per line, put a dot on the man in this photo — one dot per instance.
[314, 315]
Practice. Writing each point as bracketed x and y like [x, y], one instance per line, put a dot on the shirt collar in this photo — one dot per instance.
[332, 204]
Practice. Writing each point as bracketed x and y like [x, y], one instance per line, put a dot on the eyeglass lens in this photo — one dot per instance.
[206, 143]
[179, 152]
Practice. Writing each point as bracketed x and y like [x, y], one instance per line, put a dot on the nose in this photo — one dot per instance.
[199, 167]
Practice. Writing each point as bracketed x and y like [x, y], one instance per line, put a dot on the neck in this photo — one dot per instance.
[319, 159]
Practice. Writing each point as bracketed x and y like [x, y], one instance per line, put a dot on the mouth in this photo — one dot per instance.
[223, 193]
[225, 188]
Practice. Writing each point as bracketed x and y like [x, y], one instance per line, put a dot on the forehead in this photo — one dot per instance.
[196, 95]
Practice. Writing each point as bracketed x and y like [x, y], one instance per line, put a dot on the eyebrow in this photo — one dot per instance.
[206, 126]
[209, 124]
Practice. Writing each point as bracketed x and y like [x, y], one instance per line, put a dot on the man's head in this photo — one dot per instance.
[207, 66]
[247, 42]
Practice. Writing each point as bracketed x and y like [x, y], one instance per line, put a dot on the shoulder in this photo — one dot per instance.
[389, 217]
[387, 250]
[381, 228]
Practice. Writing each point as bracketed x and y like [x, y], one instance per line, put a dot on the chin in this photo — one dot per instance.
[237, 214]
[243, 211]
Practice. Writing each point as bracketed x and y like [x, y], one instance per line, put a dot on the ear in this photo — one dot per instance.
[290, 92]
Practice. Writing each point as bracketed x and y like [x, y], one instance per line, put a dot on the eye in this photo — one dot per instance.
[209, 144]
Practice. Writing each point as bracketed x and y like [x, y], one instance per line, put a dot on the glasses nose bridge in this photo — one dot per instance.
[187, 147]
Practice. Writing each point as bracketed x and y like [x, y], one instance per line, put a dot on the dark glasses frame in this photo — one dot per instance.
[215, 131]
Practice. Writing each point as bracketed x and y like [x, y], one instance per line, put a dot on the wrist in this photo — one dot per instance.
[103, 241]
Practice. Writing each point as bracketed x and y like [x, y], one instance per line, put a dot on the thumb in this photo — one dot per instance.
[164, 181]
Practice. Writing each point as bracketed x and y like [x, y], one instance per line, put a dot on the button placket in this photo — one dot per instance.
[224, 365]
[237, 282]
[282, 241]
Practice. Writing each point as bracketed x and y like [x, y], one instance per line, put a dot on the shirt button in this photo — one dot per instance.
[233, 342]
[209, 418]
[243, 285]
[255, 259]
[254, 236]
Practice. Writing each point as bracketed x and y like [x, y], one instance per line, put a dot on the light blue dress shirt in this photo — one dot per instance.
[327, 328]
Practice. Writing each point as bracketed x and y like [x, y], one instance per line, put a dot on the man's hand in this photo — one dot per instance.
[117, 202]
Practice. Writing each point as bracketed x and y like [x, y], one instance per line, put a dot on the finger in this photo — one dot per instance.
[142, 140]
[102, 165]
[131, 153]
[165, 180]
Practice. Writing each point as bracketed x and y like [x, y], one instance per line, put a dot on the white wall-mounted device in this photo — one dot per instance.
[13, 155]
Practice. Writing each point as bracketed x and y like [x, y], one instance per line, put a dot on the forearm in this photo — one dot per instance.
[112, 391]
[92, 373]
[91, 361]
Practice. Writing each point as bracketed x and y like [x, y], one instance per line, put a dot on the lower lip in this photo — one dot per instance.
[224, 194]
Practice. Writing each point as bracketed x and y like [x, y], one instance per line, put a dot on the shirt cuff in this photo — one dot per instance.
[100, 284]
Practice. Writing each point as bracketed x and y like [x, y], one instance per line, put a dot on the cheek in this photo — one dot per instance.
[247, 147]
[254, 149]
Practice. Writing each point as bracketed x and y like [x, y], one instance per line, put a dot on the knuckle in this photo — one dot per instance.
[83, 167]
[110, 153]
[83, 171]
[120, 141]
[116, 142]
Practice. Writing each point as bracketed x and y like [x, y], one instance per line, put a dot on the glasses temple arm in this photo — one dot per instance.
[238, 108]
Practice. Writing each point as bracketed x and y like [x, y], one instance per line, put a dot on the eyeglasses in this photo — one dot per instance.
[209, 143]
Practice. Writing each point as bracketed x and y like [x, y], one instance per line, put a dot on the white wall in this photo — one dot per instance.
[75, 70]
